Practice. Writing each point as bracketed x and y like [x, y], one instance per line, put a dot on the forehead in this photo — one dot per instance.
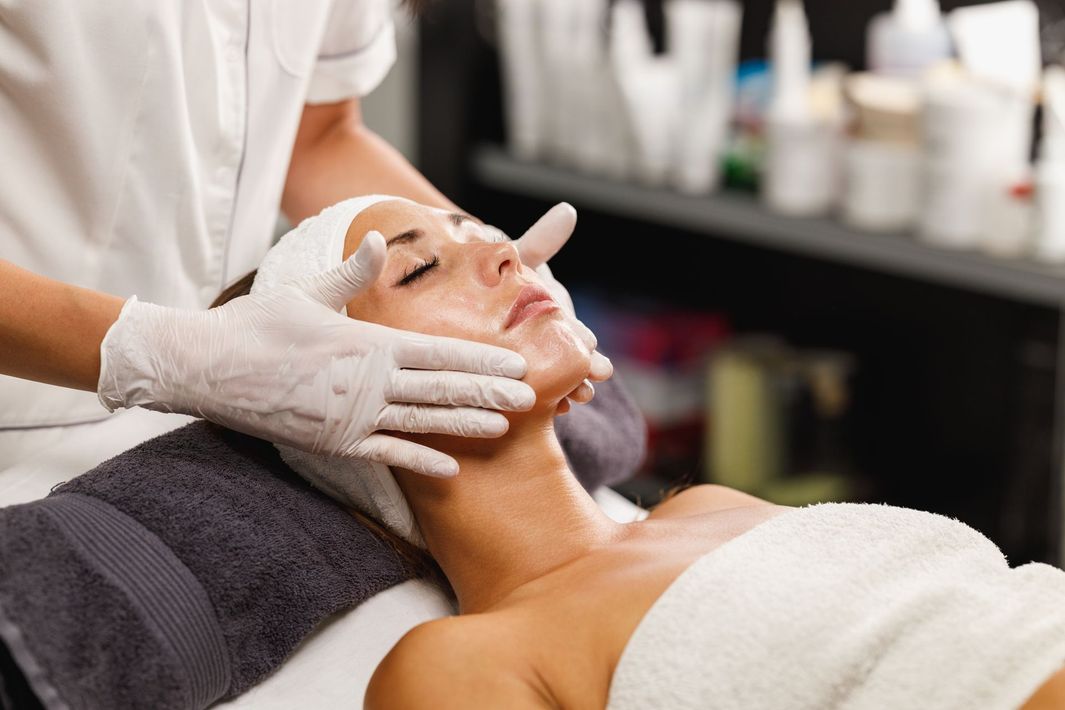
[396, 217]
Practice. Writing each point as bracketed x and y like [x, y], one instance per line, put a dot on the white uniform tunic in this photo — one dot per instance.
[145, 144]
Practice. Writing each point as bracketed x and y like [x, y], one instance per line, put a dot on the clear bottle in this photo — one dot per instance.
[907, 40]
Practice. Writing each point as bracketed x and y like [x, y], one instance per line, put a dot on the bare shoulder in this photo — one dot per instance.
[1050, 695]
[450, 663]
[705, 498]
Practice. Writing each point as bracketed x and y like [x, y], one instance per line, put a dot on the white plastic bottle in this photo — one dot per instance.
[523, 79]
[801, 176]
[1050, 171]
[704, 39]
[650, 87]
[909, 39]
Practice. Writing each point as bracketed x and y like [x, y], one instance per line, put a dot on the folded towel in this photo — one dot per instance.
[186, 569]
[848, 606]
[177, 573]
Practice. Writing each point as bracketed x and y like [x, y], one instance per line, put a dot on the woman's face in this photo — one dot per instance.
[445, 275]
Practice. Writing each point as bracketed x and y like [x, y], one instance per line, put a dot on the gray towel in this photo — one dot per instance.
[605, 441]
[185, 570]
[177, 573]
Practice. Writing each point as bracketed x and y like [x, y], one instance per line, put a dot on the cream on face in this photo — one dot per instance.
[446, 275]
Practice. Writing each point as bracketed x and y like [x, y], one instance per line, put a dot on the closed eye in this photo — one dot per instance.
[418, 271]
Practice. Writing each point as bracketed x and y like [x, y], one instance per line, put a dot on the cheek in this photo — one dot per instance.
[432, 311]
[474, 315]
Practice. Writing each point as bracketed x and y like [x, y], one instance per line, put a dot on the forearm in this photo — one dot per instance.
[336, 157]
[51, 331]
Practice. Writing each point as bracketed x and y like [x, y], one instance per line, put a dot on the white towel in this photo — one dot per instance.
[848, 606]
[316, 245]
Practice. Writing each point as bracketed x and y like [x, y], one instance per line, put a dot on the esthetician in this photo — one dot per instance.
[147, 148]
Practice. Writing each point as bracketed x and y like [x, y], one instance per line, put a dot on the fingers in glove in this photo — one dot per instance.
[469, 422]
[460, 388]
[429, 352]
[586, 335]
[550, 233]
[601, 368]
[399, 453]
[557, 290]
[583, 394]
[334, 288]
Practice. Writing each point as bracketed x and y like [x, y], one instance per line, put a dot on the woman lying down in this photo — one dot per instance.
[717, 599]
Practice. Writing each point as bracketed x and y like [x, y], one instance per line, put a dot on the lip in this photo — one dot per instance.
[532, 300]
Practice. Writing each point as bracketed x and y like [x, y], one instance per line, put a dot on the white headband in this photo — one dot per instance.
[316, 245]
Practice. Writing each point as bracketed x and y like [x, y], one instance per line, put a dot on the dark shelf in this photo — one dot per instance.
[741, 218]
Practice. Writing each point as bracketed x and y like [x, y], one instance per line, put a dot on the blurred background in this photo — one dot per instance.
[822, 242]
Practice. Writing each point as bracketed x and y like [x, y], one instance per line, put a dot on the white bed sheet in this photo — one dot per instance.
[332, 667]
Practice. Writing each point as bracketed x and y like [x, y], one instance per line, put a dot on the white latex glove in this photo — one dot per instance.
[541, 242]
[286, 366]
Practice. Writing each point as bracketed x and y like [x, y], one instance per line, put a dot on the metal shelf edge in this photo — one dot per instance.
[739, 217]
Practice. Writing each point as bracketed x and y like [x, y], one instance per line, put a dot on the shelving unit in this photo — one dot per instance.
[740, 218]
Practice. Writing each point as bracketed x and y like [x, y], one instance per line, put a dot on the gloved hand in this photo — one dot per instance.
[287, 367]
[541, 242]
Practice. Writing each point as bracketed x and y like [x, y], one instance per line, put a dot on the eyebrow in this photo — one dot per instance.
[408, 237]
[413, 235]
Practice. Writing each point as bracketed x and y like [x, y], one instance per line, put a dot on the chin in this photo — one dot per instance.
[558, 363]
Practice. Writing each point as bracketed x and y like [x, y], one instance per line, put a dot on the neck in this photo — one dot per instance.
[513, 514]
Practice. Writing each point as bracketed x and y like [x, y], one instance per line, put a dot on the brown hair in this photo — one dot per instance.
[417, 560]
[240, 287]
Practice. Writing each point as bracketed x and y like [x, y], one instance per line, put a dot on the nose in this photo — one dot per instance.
[495, 261]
